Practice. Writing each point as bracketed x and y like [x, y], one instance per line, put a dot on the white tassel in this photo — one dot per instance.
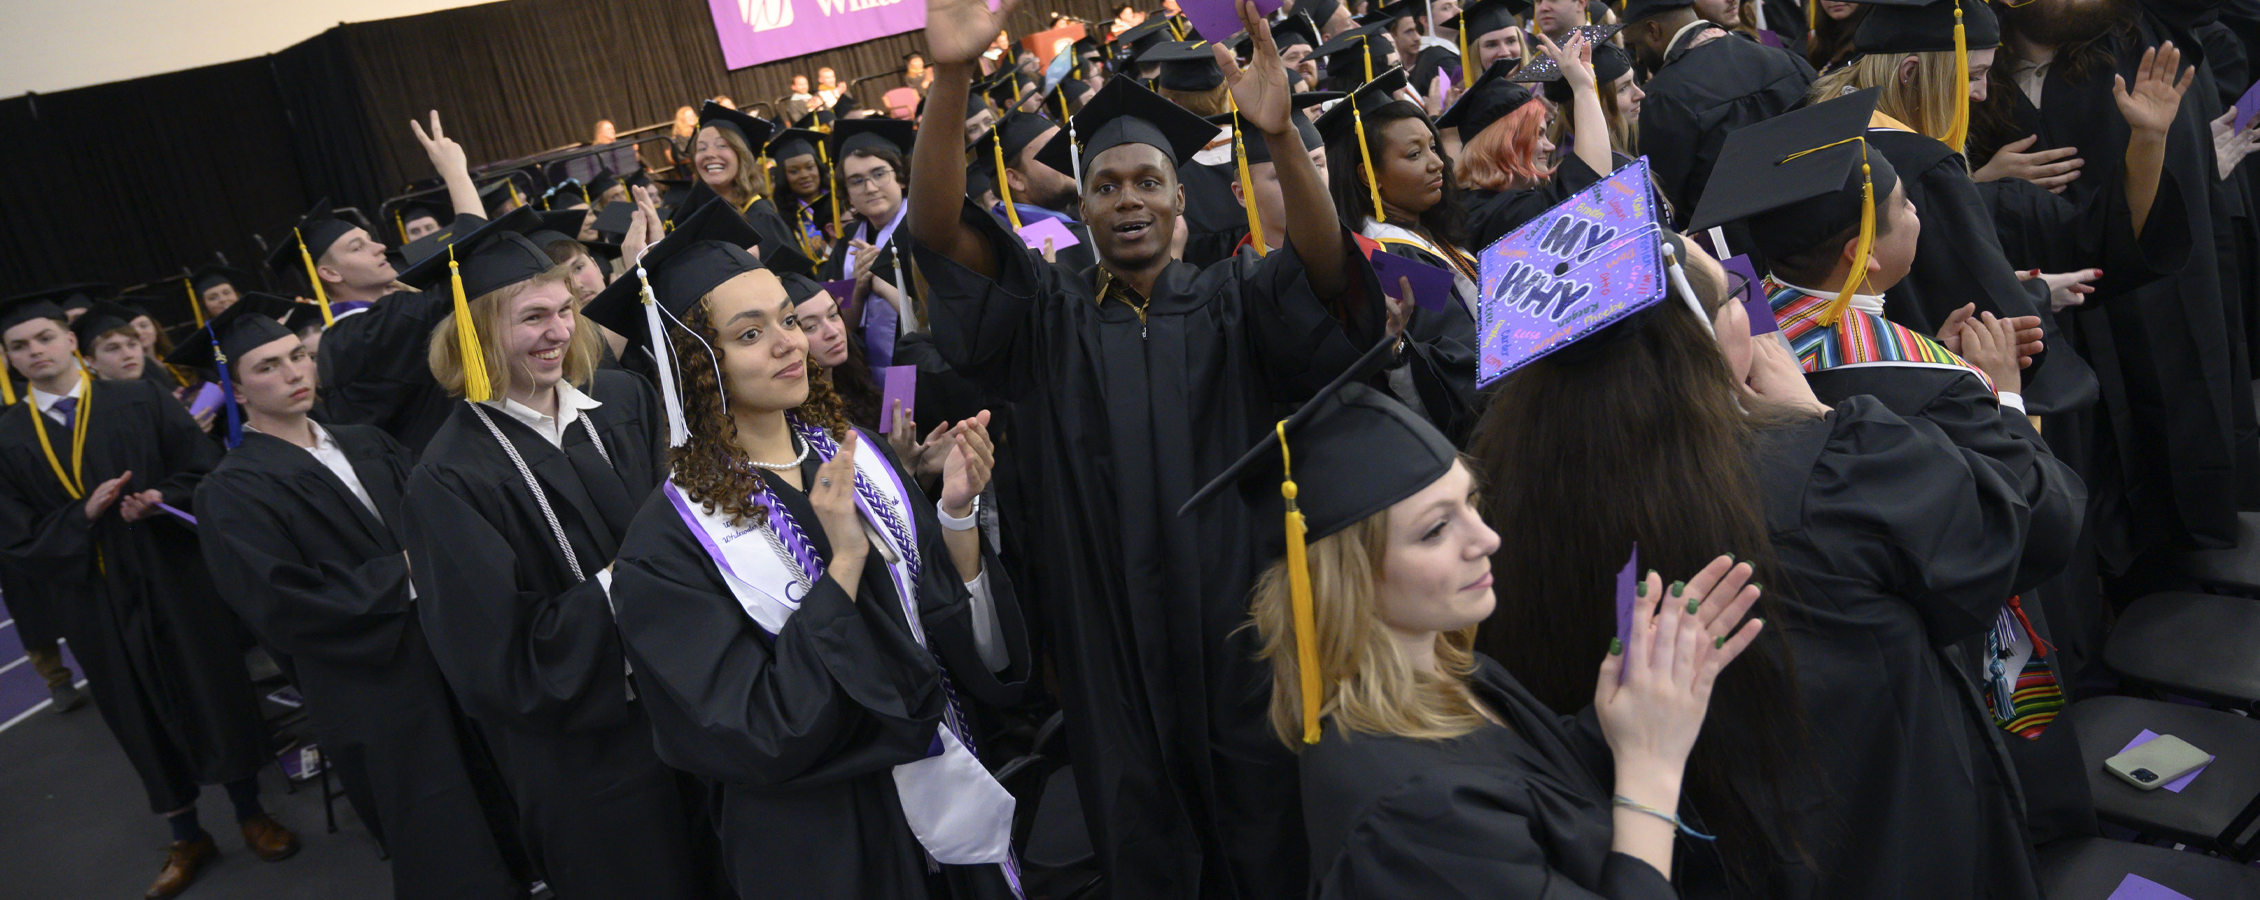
[1687, 293]
[678, 432]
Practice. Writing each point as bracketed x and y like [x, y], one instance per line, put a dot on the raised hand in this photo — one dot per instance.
[1575, 60]
[959, 31]
[2156, 97]
[918, 456]
[965, 473]
[2051, 169]
[1652, 713]
[446, 155]
[2231, 146]
[833, 497]
[1260, 89]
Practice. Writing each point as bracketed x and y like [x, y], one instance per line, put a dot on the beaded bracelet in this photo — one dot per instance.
[1627, 803]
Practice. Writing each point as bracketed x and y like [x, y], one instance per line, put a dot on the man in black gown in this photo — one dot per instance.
[87, 468]
[296, 526]
[1702, 87]
[1133, 382]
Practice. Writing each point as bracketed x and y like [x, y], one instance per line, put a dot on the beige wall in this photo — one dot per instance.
[54, 45]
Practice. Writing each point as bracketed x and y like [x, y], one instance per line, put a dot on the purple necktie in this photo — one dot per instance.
[68, 409]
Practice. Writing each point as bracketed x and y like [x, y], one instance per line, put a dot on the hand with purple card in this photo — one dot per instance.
[207, 399]
[1219, 20]
[1431, 285]
[1655, 681]
[899, 386]
[1575, 269]
[1037, 232]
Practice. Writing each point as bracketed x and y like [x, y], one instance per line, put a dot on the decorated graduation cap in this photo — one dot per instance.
[853, 135]
[1124, 112]
[253, 322]
[753, 130]
[1185, 65]
[495, 256]
[1924, 26]
[1637, 10]
[1248, 151]
[1331, 444]
[1346, 121]
[999, 147]
[705, 250]
[1801, 177]
[1488, 100]
[1609, 63]
[313, 235]
[1358, 50]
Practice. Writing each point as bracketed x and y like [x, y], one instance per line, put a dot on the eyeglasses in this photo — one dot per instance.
[877, 176]
[1738, 288]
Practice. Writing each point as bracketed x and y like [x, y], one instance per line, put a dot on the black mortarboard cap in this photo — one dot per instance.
[1925, 26]
[492, 257]
[1258, 150]
[1490, 99]
[211, 275]
[65, 297]
[753, 129]
[1478, 19]
[318, 229]
[1137, 40]
[1636, 10]
[1296, 28]
[565, 194]
[613, 223]
[705, 250]
[873, 133]
[1402, 9]
[793, 142]
[301, 316]
[787, 258]
[1372, 95]
[23, 308]
[604, 181]
[1318, 11]
[564, 225]
[101, 317]
[1061, 102]
[1185, 65]
[1008, 87]
[1124, 112]
[1017, 130]
[253, 322]
[422, 248]
[799, 288]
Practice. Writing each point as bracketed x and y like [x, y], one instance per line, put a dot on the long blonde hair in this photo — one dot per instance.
[1926, 103]
[752, 181]
[490, 312]
[1369, 685]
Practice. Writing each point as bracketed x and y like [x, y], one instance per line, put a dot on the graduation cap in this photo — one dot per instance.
[1609, 63]
[45, 303]
[1402, 9]
[423, 248]
[853, 135]
[409, 212]
[1332, 443]
[1800, 177]
[1295, 29]
[788, 259]
[562, 226]
[753, 130]
[1490, 99]
[253, 322]
[613, 223]
[817, 120]
[705, 250]
[312, 236]
[211, 275]
[1923, 26]
[1135, 42]
[1338, 52]
[1008, 88]
[1316, 10]
[496, 255]
[1185, 65]
[301, 315]
[1637, 10]
[1247, 151]
[496, 194]
[799, 288]
[101, 317]
[797, 142]
[1000, 146]
[1061, 102]
[565, 194]
[602, 184]
[1124, 112]
[1346, 121]
[1485, 16]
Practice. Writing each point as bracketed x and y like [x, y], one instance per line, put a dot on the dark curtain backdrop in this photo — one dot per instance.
[130, 181]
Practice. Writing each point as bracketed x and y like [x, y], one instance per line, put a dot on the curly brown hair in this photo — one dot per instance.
[710, 467]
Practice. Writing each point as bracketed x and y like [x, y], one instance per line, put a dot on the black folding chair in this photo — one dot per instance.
[2091, 868]
[1057, 861]
[2215, 812]
[2196, 645]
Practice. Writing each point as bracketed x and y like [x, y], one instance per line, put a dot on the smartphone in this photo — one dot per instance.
[2163, 759]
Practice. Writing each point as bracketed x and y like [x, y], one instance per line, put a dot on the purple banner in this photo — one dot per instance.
[759, 31]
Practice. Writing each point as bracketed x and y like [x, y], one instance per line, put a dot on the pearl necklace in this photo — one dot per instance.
[783, 467]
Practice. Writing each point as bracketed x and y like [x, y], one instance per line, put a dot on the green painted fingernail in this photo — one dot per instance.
[1640, 589]
[1679, 588]
[1616, 646]
[1691, 604]
[1718, 642]
[1729, 554]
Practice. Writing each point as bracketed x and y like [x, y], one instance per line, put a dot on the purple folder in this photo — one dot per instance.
[2246, 106]
[1431, 286]
[1035, 232]
[1218, 20]
[1759, 306]
[901, 386]
[2175, 785]
[2136, 887]
[1628, 579]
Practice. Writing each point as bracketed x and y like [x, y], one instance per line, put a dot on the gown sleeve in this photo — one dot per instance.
[987, 328]
[1302, 340]
[539, 660]
[840, 691]
[43, 540]
[1508, 210]
[321, 608]
[372, 379]
[2040, 229]
[2055, 497]
[1942, 527]
[1475, 832]
[188, 452]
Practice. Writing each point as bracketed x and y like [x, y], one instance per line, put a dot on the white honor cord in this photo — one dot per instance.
[1687, 293]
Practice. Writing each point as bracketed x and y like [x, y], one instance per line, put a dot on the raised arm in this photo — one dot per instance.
[453, 167]
[1261, 92]
[2150, 108]
[1588, 127]
[957, 31]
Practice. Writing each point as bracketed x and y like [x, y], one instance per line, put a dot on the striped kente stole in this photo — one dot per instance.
[1858, 338]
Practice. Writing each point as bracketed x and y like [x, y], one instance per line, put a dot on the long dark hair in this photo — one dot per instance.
[1640, 439]
[1353, 201]
[710, 466]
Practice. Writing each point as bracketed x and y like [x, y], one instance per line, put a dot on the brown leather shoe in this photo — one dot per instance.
[182, 861]
[268, 839]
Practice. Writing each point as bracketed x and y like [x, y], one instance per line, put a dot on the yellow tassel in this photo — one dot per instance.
[7, 386]
[1298, 591]
[475, 385]
[402, 224]
[1366, 42]
[1859, 274]
[1372, 177]
[514, 198]
[1247, 185]
[1467, 63]
[824, 157]
[195, 302]
[1813, 17]
[1960, 132]
[321, 297]
[996, 143]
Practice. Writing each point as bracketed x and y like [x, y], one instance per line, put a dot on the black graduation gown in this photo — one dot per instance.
[534, 657]
[2178, 449]
[375, 368]
[161, 652]
[1702, 94]
[1435, 373]
[770, 224]
[1117, 422]
[1433, 59]
[1209, 206]
[1491, 215]
[799, 732]
[1897, 544]
[888, 264]
[1516, 811]
[321, 578]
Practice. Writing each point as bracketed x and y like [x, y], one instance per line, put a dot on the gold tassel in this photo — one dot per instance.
[1365, 41]
[996, 143]
[1247, 185]
[402, 224]
[1372, 177]
[195, 302]
[1859, 274]
[1298, 591]
[7, 386]
[1467, 63]
[1813, 17]
[1959, 134]
[321, 297]
[825, 158]
[475, 385]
